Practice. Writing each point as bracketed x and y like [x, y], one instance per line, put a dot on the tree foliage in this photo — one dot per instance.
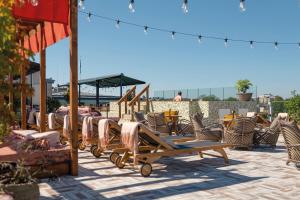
[12, 57]
[293, 107]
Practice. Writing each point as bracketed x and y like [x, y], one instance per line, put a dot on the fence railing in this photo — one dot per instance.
[222, 93]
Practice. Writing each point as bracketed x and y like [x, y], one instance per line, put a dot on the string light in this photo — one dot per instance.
[184, 6]
[226, 42]
[242, 5]
[81, 4]
[173, 35]
[117, 24]
[251, 44]
[199, 37]
[35, 2]
[276, 45]
[131, 6]
[89, 17]
[146, 30]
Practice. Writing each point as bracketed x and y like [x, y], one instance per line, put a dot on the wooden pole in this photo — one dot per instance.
[23, 95]
[73, 85]
[42, 84]
[11, 95]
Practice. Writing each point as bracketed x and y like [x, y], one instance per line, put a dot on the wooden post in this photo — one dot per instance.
[23, 95]
[125, 105]
[43, 100]
[74, 85]
[11, 95]
[147, 101]
[97, 93]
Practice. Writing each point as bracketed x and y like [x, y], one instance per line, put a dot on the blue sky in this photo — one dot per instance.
[183, 62]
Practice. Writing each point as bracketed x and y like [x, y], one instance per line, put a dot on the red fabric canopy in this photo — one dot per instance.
[54, 17]
[46, 10]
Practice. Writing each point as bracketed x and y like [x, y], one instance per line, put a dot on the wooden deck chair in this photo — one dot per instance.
[151, 147]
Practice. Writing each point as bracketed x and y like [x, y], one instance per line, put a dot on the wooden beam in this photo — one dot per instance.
[73, 86]
[42, 84]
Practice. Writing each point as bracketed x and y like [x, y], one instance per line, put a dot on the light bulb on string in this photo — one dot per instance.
[173, 35]
[117, 24]
[226, 42]
[34, 2]
[199, 39]
[242, 5]
[251, 44]
[276, 45]
[299, 45]
[184, 6]
[146, 30]
[89, 17]
[81, 4]
[131, 6]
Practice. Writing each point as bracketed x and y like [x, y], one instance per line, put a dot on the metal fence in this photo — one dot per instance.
[221, 93]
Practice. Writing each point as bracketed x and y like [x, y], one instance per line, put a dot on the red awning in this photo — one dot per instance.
[53, 15]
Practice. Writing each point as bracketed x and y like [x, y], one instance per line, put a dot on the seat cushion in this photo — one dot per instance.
[24, 133]
[51, 136]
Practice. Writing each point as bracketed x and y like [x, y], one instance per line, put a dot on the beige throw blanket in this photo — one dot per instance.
[103, 132]
[130, 136]
[66, 133]
[38, 119]
[51, 121]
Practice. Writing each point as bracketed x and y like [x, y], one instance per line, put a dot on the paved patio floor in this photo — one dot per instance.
[258, 174]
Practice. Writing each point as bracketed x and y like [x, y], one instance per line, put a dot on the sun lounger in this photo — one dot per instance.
[144, 147]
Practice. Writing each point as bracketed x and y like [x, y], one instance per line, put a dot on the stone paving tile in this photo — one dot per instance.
[258, 174]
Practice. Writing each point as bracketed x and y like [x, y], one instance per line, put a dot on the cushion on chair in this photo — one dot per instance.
[24, 133]
[139, 116]
[51, 136]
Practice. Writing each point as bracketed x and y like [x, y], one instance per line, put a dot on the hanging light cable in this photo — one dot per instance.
[251, 44]
[185, 7]
[81, 4]
[242, 5]
[131, 6]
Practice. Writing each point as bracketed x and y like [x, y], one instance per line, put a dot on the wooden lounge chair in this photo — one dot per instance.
[213, 132]
[291, 134]
[240, 132]
[152, 147]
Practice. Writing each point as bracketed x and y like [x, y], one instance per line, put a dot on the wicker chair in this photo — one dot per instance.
[156, 121]
[240, 132]
[268, 136]
[211, 133]
[140, 117]
[291, 134]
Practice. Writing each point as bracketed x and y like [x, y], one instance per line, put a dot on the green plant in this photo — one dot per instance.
[231, 99]
[52, 105]
[243, 85]
[278, 107]
[293, 107]
[210, 98]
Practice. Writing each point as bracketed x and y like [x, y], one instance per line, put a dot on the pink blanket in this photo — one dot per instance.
[66, 133]
[103, 131]
[129, 135]
[87, 129]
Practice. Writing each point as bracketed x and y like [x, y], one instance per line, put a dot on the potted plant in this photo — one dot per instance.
[16, 180]
[242, 86]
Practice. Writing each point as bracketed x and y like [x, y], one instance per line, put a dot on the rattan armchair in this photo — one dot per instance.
[212, 133]
[240, 132]
[156, 121]
[291, 134]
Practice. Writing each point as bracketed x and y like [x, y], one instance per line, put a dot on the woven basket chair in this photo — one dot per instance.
[211, 133]
[156, 121]
[291, 134]
[269, 135]
[240, 132]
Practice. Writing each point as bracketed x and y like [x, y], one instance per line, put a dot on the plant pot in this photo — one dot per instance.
[26, 191]
[245, 96]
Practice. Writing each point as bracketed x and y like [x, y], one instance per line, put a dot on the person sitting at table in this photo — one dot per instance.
[178, 97]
